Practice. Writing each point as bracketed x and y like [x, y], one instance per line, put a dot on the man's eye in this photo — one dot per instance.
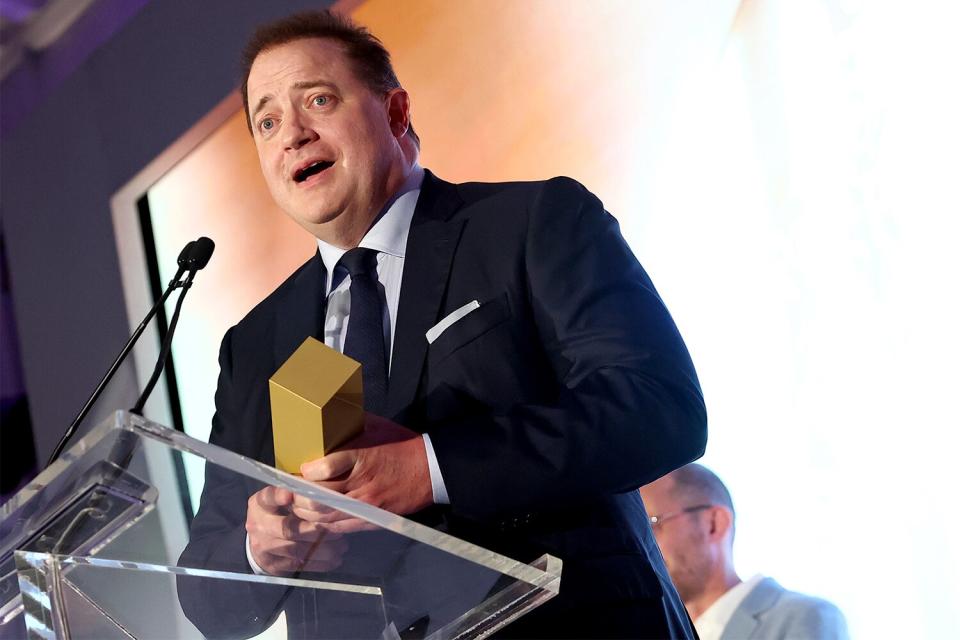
[267, 124]
[320, 101]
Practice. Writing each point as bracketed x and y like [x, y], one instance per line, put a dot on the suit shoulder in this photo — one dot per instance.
[557, 187]
[809, 616]
[262, 313]
[558, 203]
[804, 601]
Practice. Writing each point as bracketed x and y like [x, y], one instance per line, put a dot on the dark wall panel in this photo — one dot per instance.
[59, 168]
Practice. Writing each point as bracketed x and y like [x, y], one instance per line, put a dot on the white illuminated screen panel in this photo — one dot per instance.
[785, 173]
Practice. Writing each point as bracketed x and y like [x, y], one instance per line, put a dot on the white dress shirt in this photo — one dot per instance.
[711, 623]
[388, 236]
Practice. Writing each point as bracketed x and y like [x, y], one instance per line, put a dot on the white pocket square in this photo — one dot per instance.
[434, 332]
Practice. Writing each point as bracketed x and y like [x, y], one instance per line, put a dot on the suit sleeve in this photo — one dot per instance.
[628, 408]
[225, 608]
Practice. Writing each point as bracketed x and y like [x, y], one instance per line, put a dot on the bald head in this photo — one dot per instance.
[697, 483]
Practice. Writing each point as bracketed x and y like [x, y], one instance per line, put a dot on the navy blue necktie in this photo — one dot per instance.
[365, 340]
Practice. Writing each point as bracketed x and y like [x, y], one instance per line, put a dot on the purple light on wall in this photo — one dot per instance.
[19, 10]
[40, 73]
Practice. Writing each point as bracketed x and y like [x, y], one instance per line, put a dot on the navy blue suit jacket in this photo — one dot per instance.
[547, 407]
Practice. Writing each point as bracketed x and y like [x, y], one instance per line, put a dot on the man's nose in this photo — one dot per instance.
[298, 133]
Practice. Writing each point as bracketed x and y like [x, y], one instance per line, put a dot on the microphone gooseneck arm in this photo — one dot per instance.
[112, 370]
[165, 348]
[193, 257]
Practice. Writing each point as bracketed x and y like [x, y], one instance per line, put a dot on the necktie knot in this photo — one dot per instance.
[360, 261]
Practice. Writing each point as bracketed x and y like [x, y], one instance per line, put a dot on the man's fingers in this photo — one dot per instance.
[288, 557]
[349, 525]
[329, 466]
[303, 504]
[273, 498]
[285, 527]
[319, 515]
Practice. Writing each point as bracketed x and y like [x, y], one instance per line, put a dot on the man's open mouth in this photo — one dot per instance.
[311, 170]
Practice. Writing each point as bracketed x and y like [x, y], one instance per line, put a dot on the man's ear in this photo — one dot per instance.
[398, 112]
[721, 522]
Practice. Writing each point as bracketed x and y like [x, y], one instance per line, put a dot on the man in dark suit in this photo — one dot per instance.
[524, 379]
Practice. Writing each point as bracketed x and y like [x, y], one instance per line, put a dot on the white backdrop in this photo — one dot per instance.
[806, 232]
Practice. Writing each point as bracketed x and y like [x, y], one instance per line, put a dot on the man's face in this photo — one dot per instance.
[327, 143]
[683, 538]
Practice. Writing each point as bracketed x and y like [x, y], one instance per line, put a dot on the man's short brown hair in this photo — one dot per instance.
[370, 59]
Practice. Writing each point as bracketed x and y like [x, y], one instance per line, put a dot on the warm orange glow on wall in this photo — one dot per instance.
[218, 191]
[506, 90]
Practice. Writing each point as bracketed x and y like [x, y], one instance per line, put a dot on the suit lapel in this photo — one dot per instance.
[301, 311]
[430, 248]
[746, 618]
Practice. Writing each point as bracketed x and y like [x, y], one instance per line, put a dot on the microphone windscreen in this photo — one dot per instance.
[200, 256]
[185, 254]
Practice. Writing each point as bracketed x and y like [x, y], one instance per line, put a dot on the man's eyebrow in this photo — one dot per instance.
[313, 84]
[260, 105]
[304, 84]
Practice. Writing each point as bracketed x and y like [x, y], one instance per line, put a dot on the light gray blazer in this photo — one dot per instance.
[770, 612]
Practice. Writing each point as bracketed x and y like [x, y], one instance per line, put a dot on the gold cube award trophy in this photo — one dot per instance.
[316, 403]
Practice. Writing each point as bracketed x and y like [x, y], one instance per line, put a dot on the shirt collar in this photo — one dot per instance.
[711, 623]
[389, 232]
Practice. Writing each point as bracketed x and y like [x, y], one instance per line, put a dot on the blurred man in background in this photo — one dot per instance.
[693, 519]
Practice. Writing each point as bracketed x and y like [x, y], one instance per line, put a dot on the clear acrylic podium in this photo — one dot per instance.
[97, 546]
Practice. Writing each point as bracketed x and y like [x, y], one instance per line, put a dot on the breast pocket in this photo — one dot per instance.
[473, 325]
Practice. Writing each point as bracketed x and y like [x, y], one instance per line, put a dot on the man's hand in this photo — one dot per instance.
[284, 544]
[385, 466]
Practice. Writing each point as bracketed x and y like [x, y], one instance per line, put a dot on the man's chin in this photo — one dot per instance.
[317, 218]
[330, 227]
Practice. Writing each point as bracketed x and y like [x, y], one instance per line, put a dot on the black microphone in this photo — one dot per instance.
[200, 251]
[196, 258]
[189, 257]
[184, 257]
